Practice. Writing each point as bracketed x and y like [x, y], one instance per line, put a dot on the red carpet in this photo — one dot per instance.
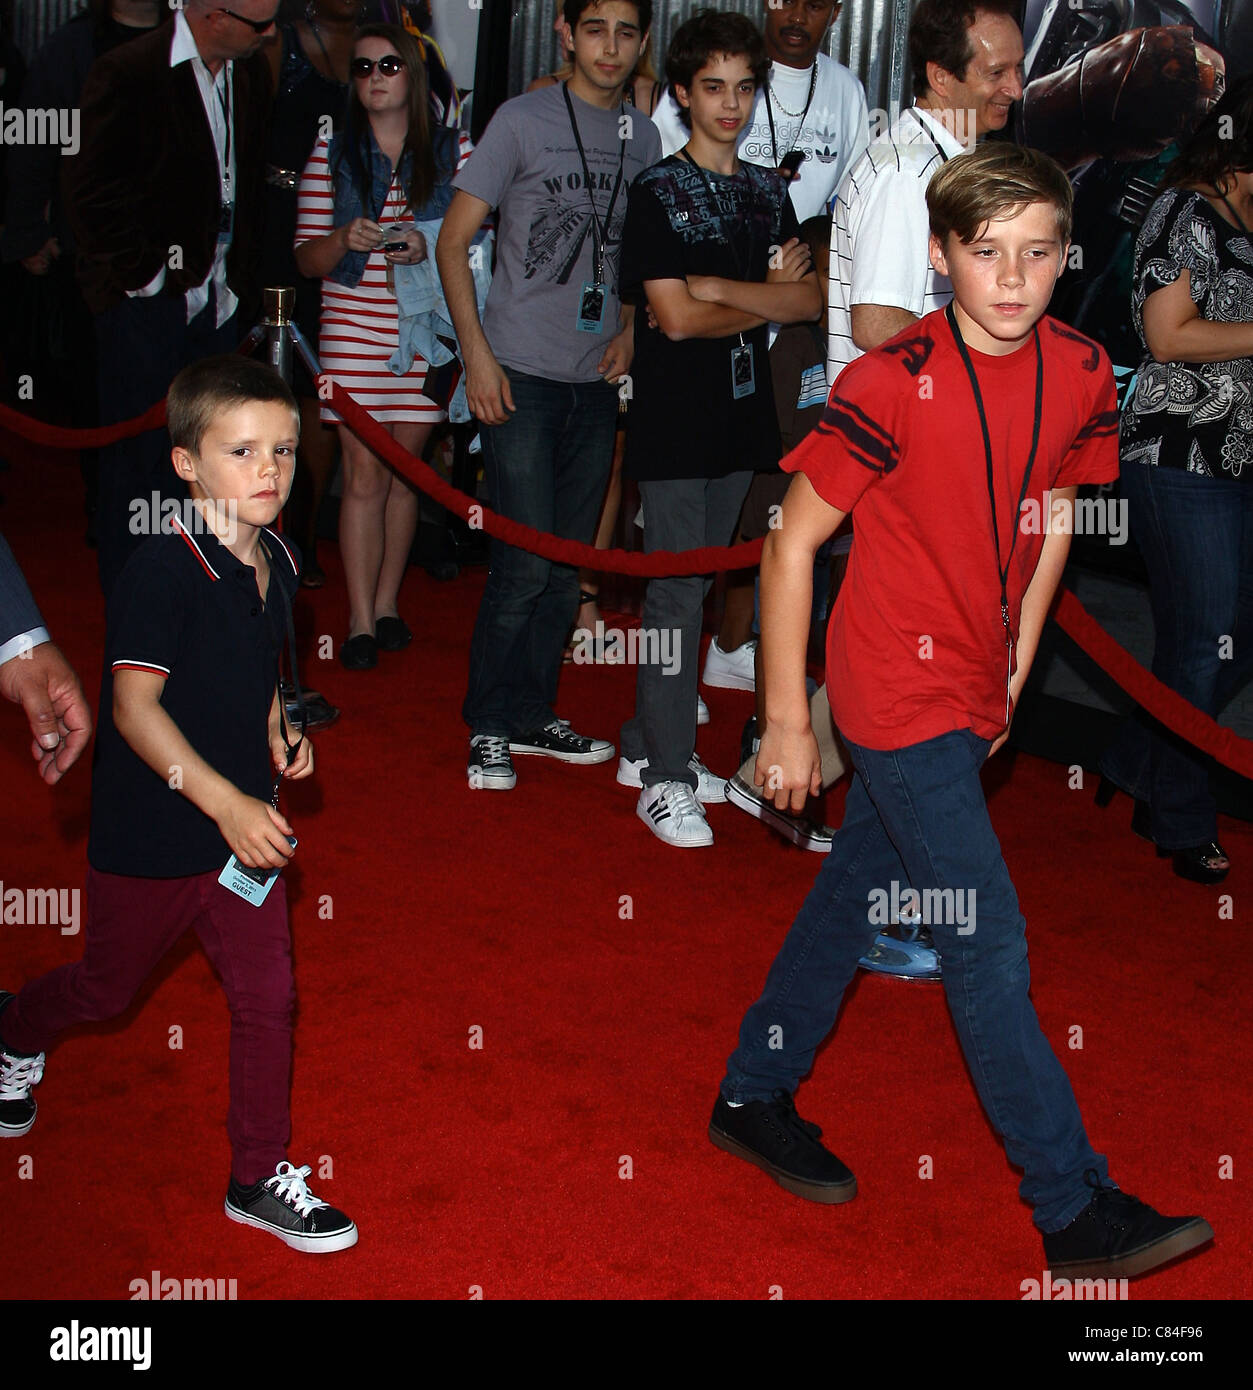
[603, 1038]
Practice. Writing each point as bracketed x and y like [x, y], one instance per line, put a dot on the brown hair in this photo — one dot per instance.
[939, 33]
[214, 384]
[995, 180]
[418, 133]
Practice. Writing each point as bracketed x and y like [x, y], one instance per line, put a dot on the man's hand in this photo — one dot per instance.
[794, 262]
[617, 359]
[44, 684]
[789, 767]
[301, 764]
[255, 832]
[487, 390]
[41, 262]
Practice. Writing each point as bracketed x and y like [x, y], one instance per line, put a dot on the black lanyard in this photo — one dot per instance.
[813, 87]
[600, 235]
[1235, 214]
[1003, 570]
[741, 272]
[292, 748]
[926, 130]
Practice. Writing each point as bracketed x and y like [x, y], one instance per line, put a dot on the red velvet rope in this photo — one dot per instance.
[1158, 700]
[1146, 690]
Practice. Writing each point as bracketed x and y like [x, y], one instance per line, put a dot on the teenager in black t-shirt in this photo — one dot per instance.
[712, 245]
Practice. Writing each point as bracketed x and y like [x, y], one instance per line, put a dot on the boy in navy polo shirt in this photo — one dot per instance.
[940, 442]
[191, 732]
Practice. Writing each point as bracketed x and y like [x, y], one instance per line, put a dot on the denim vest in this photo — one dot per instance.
[445, 143]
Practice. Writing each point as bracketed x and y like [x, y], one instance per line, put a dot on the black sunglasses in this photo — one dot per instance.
[389, 65]
[258, 26]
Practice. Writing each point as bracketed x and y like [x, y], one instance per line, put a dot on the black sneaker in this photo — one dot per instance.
[489, 767]
[771, 1135]
[18, 1073]
[284, 1206]
[558, 740]
[1118, 1236]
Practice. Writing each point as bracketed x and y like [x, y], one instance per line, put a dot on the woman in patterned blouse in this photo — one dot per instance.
[1187, 471]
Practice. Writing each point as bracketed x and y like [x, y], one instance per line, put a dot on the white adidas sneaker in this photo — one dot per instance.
[709, 789]
[672, 812]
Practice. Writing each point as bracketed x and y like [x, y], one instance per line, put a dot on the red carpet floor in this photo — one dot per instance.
[567, 1157]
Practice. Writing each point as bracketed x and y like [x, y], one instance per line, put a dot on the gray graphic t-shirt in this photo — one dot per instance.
[527, 165]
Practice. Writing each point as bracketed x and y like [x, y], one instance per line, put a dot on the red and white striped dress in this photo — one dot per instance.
[360, 323]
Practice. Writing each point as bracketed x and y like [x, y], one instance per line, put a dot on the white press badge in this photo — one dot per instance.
[253, 885]
[743, 378]
[591, 314]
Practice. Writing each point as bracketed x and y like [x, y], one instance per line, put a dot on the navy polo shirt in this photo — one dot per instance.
[186, 608]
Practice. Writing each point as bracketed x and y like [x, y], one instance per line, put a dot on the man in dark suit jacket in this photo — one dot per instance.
[164, 198]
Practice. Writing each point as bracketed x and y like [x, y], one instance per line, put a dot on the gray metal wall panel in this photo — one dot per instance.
[868, 37]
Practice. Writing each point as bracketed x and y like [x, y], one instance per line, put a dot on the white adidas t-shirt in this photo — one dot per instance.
[833, 135]
[880, 231]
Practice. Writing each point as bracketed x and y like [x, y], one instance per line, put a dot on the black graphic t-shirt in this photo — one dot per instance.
[684, 421]
[527, 165]
[1197, 416]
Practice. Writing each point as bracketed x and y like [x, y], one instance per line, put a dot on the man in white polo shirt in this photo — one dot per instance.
[810, 105]
[966, 57]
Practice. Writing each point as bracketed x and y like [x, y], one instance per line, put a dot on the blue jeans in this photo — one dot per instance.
[916, 818]
[546, 466]
[1196, 536]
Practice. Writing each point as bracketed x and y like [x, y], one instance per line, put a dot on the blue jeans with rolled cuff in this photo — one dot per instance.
[917, 817]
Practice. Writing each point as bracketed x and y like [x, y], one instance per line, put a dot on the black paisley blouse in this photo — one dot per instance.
[1197, 416]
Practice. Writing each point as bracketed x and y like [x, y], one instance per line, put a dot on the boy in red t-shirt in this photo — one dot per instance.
[943, 437]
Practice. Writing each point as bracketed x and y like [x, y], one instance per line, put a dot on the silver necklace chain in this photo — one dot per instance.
[774, 96]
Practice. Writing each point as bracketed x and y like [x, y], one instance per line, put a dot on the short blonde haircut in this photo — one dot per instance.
[995, 180]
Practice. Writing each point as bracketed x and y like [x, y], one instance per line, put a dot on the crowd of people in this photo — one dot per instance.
[801, 322]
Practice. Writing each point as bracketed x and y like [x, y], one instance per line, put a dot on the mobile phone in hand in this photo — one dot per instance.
[791, 162]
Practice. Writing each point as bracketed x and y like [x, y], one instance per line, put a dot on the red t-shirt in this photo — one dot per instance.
[916, 646]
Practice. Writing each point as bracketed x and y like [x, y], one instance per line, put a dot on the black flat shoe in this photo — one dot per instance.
[391, 634]
[1194, 863]
[359, 653]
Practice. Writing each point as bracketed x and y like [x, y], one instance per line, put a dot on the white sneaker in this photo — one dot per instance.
[708, 787]
[731, 670]
[702, 711]
[672, 813]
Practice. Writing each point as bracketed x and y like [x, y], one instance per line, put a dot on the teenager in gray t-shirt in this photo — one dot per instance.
[542, 370]
[527, 165]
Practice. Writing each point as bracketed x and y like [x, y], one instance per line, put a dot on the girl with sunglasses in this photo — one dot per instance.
[360, 194]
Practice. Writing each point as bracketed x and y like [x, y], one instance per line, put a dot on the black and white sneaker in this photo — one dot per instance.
[802, 831]
[672, 812]
[489, 767]
[284, 1206]
[18, 1073]
[558, 740]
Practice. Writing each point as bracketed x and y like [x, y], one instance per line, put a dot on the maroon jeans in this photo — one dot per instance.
[131, 923]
